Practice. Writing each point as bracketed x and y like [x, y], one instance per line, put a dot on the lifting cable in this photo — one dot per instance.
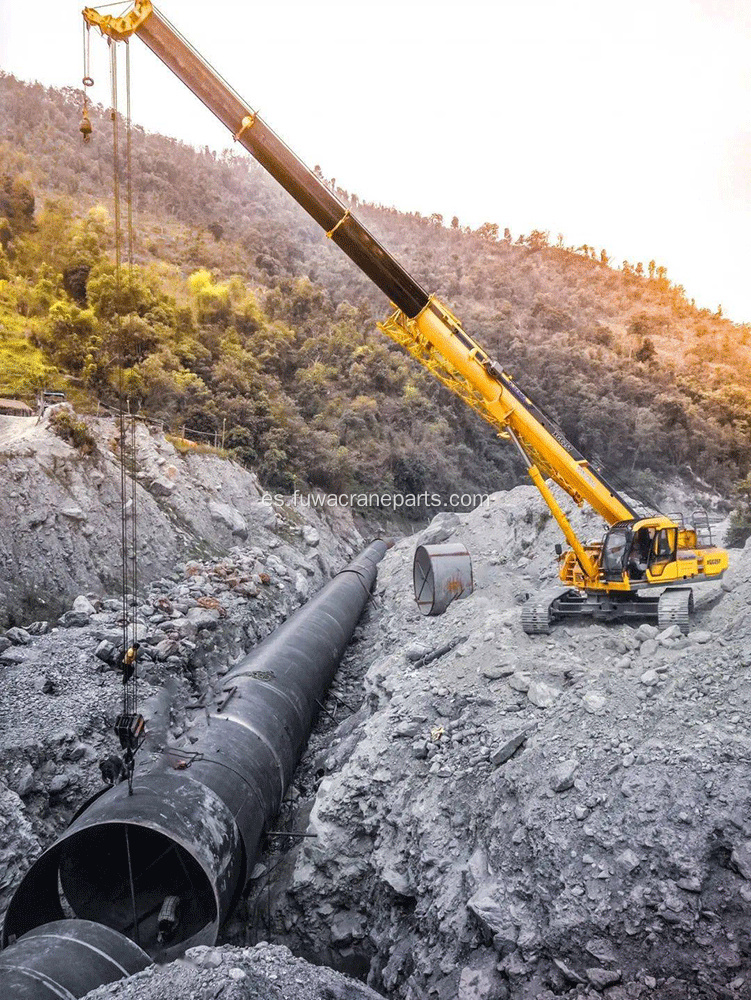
[129, 726]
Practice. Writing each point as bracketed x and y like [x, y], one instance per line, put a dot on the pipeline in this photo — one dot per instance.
[193, 826]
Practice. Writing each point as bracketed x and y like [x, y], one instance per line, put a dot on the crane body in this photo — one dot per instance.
[616, 577]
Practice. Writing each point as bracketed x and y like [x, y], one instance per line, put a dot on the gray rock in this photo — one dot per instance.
[203, 618]
[563, 776]
[35, 518]
[627, 861]
[166, 648]
[646, 631]
[601, 949]
[488, 910]
[519, 682]
[83, 604]
[740, 859]
[26, 782]
[649, 678]
[542, 695]
[105, 651]
[12, 655]
[701, 637]
[160, 486]
[601, 979]
[265, 514]
[648, 648]
[398, 882]
[38, 628]
[407, 729]
[594, 703]
[59, 783]
[567, 972]
[416, 651]
[310, 535]
[74, 619]
[18, 636]
[74, 513]
[495, 673]
[507, 751]
[4, 643]
[229, 516]
[440, 529]
[671, 632]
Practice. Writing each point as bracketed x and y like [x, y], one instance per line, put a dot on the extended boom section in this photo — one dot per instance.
[638, 551]
[421, 324]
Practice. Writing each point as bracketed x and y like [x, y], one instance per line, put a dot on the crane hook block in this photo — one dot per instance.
[130, 730]
[85, 127]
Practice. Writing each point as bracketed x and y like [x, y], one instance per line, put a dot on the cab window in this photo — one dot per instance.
[664, 548]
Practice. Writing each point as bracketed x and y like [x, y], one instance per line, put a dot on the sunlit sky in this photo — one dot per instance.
[623, 126]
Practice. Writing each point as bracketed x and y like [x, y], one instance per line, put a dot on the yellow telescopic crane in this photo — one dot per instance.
[614, 578]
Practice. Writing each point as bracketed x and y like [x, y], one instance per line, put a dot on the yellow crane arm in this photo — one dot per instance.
[421, 323]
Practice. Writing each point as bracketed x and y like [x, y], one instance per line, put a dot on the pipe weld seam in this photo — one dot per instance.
[262, 738]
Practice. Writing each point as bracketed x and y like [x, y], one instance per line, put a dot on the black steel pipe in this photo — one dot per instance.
[68, 959]
[194, 833]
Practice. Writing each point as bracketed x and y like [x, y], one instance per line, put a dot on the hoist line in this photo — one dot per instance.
[133, 480]
[119, 337]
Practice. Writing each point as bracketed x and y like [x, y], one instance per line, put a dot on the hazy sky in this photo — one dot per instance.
[624, 126]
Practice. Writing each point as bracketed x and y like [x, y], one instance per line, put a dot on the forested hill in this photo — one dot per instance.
[241, 314]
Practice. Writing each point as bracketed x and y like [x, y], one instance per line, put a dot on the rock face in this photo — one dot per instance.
[569, 826]
[60, 514]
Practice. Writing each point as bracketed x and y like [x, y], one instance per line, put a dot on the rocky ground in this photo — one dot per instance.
[523, 817]
[531, 817]
[267, 972]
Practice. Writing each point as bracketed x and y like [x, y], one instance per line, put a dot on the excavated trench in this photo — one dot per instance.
[192, 828]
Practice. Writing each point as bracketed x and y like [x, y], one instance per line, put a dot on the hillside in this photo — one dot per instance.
[242, 317]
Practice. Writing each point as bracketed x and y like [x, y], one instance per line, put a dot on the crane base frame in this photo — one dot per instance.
[674, 606]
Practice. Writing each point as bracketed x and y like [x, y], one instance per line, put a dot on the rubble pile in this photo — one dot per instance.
[60, 513]
[266, 972]
[489, 815]
[531, 817]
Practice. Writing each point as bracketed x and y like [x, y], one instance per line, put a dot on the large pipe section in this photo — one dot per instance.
[68, 959]
[193, 825]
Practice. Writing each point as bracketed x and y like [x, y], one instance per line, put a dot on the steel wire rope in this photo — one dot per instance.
[121, 378]
[133, 456]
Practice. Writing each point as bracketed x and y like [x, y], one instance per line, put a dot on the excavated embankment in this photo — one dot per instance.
[522, 818]
[530, 817]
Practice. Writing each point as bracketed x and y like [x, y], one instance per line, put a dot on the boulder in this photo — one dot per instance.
[74, 514]
[105, 651]
[230, 517]
[440, 529]
[18, 636]
[542, 695]
[74, 619]
[203, 617]
[83, 604]
[563, 776]
[38, 628]
[310, 535]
